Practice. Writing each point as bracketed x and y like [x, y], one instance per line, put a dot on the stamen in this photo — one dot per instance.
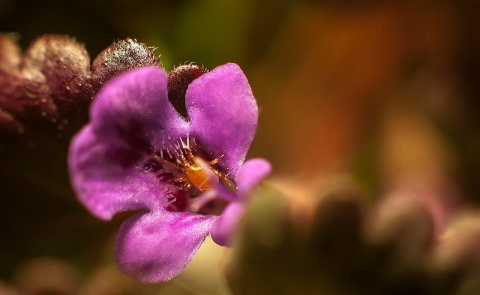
[184, 160]
[189, 175]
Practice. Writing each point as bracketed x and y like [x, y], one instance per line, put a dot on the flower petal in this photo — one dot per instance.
[225, 225]
[251, 174]
[155, 247]
[134, 107]
[129, 119]
[223, 114]
[106, 180]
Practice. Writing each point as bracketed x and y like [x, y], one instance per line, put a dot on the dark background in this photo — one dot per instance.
[384, 91]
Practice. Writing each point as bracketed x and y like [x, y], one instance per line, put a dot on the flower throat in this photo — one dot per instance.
[189, 174]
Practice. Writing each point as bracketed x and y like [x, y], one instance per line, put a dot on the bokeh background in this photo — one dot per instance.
[382, 92]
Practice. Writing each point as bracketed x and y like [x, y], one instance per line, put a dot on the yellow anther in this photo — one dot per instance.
[201, 174]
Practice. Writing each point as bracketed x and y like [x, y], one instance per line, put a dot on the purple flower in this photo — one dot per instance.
[180, 178]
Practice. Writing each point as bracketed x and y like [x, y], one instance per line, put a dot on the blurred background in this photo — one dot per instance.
[383, 92]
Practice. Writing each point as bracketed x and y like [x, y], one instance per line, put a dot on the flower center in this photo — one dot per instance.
[189, 174]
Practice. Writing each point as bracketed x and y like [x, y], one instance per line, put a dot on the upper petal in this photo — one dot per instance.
[134, 108]
[155, 247]
[129, 120]
[223, 114]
